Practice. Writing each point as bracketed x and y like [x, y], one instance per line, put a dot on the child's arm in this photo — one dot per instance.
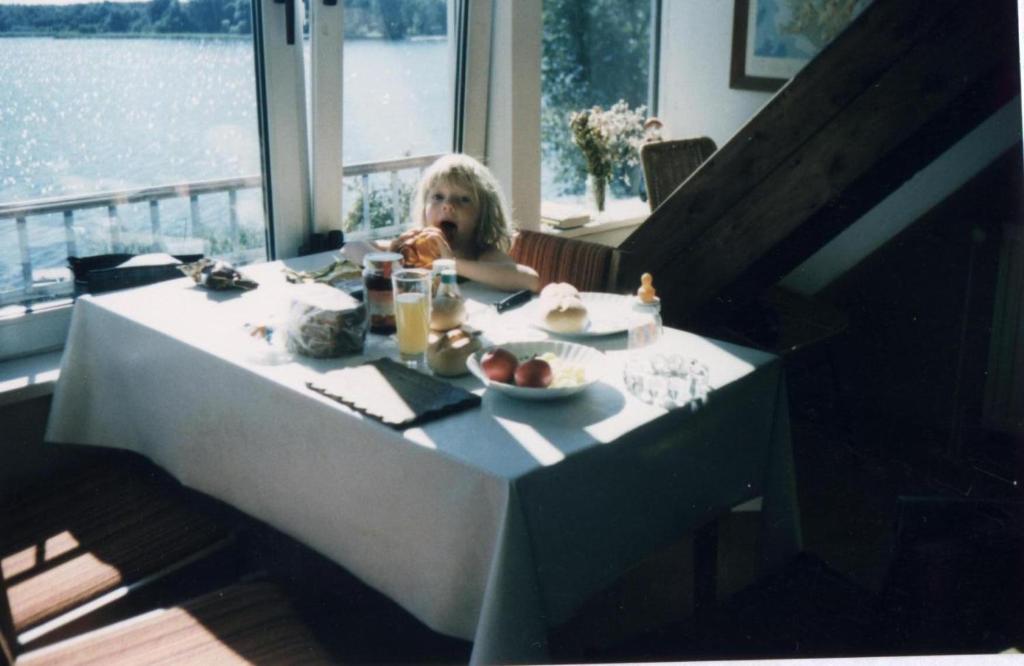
[496, 269]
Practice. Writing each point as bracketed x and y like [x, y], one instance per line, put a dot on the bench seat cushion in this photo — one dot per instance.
[247, 623]
[108, 525]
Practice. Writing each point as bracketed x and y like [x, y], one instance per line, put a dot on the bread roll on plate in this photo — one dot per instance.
[565, 315]
[556, 291]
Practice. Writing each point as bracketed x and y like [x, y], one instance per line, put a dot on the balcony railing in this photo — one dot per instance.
[373, 212]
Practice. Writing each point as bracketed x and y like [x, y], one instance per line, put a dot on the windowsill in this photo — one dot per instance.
[33, 342]
[619, 214]
[28, 377]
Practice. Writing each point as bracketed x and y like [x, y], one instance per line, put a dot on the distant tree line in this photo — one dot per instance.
[388, 19]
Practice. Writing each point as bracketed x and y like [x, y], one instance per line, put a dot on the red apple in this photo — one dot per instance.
[535, 373]
[499, 365]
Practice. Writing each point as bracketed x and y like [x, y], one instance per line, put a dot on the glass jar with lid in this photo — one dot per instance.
[377, 291]
[448, 310]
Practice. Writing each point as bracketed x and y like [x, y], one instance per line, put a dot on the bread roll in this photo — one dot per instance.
[448, 352]
[556, 291]
[566, 315]
[419, 249]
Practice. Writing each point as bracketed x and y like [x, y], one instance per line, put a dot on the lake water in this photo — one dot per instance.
[91, 115]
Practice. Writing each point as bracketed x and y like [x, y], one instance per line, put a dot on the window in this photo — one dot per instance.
[180, 127]
[595, 52]
[135, 132]
[397, 87]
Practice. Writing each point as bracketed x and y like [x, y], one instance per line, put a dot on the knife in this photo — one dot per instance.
[513, 301]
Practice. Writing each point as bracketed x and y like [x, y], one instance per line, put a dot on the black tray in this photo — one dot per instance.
[100, 273]
[370, 389]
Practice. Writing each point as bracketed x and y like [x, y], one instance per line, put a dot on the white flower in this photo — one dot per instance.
[609, 137]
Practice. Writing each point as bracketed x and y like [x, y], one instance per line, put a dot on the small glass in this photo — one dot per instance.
[412, 314]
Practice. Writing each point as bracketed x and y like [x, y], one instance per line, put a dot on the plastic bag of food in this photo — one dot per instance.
[217, 274]
[324, 322]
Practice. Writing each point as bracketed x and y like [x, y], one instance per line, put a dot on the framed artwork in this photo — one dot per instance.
[773, 39]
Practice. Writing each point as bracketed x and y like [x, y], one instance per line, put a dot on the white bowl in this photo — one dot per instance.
[587, 357]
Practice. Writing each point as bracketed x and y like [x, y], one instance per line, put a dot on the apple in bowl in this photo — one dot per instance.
[499, 365]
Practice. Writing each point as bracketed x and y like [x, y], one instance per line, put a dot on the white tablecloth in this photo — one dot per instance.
[493, 524]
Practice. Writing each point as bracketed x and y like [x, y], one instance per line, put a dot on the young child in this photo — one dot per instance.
[459, 197]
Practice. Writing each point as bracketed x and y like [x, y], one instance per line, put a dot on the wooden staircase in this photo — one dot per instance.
[903, 83]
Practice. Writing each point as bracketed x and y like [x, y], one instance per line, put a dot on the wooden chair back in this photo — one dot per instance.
[587, 266]
[667, 164]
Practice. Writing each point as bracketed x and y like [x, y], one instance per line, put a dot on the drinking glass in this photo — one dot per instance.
[412, 314]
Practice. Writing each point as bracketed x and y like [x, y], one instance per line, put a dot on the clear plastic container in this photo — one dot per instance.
[645, 326]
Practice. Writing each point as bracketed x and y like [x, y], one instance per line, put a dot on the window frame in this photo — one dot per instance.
[303, 185]
[40, 328]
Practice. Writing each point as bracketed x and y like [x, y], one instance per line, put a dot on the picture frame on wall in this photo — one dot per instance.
[773, 39]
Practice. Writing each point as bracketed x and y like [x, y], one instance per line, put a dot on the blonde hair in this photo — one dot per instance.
[494, 228]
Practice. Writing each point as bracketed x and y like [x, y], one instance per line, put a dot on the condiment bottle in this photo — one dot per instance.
[377, 294]
[438, 268]
[448, 309]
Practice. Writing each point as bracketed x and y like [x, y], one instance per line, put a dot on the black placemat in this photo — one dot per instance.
[393, 394]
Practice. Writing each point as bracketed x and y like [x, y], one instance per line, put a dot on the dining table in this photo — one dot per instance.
[494, 524]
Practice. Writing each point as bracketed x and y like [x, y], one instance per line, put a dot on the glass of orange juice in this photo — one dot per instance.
[412, 314]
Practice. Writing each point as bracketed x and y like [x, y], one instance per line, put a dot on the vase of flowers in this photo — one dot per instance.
[608, 139]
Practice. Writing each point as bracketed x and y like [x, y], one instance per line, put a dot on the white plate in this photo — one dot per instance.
[607, 314]
[588, 357]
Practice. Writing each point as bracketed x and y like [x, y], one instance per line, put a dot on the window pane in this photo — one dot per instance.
[158, 96]
[595, 52]
[398, 104]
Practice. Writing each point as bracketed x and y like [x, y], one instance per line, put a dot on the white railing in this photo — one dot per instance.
[373, 207]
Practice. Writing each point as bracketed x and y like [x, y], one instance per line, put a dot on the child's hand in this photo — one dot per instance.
[419, 247]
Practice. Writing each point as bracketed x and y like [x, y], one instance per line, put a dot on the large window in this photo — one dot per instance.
[170, 125]
[595, 52]
[397, 104]
[397, 76]
[135, 131]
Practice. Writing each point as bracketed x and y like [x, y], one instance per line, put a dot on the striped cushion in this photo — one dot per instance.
[103, 527]
[587, 266]
[251, 623]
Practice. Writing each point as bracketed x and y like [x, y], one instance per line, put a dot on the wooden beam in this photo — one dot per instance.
[826, 85]
[961, 116]
[877, 85]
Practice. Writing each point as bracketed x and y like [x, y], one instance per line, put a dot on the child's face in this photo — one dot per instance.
[454, 210]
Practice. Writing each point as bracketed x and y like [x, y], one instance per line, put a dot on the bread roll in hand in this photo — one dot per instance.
[419, 247]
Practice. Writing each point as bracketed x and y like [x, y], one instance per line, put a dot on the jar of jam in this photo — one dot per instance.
[377, 294]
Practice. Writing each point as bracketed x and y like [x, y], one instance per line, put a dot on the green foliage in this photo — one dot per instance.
[219, 243]
[161, 16]
[595, 52]
[382, 209]
[393, 19]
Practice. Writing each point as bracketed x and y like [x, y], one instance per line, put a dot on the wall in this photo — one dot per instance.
[694, 94]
